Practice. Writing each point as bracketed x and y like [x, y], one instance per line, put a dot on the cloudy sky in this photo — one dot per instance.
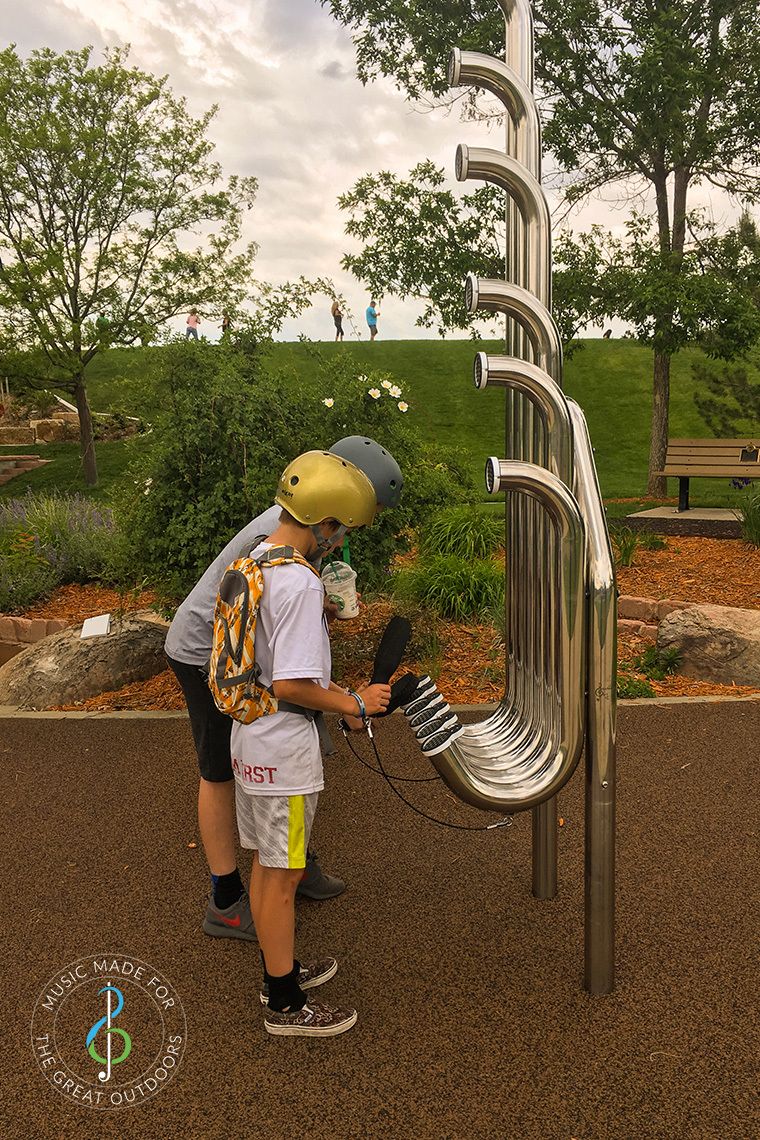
[291, 113]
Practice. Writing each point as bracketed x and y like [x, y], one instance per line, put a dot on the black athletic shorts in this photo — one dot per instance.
[211, 728]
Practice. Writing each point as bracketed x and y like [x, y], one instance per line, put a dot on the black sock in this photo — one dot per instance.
[227, 889]
[285, 992]
[268, 976]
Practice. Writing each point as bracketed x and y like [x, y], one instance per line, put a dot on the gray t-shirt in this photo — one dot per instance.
[190, 635]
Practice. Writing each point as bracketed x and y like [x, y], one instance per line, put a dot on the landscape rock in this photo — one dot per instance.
[637, 609]
[64, 668]
[716, 643]
[667, 605]
[54, 430]
[16, 435]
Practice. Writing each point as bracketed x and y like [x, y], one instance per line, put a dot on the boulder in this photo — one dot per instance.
[65, 668]
[716, 643]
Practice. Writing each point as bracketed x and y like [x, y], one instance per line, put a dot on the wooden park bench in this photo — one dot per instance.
[710, 459]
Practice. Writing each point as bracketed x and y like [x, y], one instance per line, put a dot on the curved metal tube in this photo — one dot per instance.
[548, 397]
[478, 767]
[472, 68]
[536, 231]
[501, 297]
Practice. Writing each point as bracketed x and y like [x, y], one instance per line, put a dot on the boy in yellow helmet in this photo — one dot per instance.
[276, 760]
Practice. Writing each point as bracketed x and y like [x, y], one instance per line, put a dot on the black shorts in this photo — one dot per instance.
[211, 728]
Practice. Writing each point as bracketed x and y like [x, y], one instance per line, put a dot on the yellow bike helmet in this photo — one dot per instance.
[319, 485]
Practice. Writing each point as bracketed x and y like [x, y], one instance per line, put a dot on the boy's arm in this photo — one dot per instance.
[302, 691]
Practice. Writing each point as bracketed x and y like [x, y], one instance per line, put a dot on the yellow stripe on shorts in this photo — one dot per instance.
[296, 830]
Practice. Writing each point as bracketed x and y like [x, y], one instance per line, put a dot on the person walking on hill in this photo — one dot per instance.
[372, 314]
[337, 317]
[192, 323]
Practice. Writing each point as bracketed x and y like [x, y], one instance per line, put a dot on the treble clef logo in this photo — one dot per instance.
[109, 1060]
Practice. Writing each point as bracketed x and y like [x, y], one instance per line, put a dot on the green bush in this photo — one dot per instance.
[649, 540]
[657, 664]
[625, 542]
[50, 540]
[230, 426]
[454, 588]
[628, 686]
[25, 577]
[463, 532]
[751, 516]
[71, 534]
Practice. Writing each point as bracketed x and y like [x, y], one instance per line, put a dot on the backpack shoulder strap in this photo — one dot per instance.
[245, 551]
[282, 555]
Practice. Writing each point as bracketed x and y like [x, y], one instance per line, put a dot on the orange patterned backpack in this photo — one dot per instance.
[233, 672]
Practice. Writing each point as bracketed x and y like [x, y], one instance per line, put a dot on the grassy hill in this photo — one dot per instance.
[611, 380]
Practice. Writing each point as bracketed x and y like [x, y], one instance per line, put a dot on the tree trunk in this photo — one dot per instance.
[87, 443]
[657, 484]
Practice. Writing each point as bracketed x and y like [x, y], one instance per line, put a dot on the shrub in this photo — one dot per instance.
[70, 533]
[750, 518]
[454, 588]
[25, 577]
[464, 532]
[648, 540]
[628, 686]
[230, 427]
[625, 542]
[657, 664]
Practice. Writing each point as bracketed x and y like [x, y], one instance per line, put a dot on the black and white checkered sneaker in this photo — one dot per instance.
[441, 739]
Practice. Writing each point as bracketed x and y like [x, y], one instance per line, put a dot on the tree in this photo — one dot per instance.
[105, 181]
[419, 240]
[656, 96]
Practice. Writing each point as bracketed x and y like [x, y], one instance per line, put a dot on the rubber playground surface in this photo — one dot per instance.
[472, 1017]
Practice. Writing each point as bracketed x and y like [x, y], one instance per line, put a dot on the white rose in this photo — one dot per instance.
[328, 402]
[374, 393]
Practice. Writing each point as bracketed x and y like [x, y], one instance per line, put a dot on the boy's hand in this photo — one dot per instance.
[376, 698]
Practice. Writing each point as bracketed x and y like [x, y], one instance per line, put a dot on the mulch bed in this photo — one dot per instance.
[470, 662]
[721, 571]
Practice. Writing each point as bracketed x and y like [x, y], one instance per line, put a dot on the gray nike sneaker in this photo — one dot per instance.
[234, 921]
[315, 884]
[314, 1020]
[315, 974]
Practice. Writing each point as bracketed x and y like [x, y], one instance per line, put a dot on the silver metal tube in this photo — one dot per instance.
[544, 393]
[515, 789]
[501, 297]
[525, 190]
[599, 884]
[470, 68]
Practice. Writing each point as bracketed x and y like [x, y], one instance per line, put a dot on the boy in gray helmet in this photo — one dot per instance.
[188, 648]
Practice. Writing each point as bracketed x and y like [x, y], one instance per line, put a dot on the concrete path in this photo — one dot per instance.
[473, 1022]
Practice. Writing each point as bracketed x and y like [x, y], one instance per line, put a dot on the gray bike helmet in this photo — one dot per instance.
[378, 465]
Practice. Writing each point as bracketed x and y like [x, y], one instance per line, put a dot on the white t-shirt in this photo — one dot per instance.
[279, 755]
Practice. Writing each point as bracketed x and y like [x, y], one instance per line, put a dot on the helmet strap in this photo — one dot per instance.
[324, 543]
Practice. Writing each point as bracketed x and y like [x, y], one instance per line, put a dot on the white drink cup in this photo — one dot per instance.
[340, 586]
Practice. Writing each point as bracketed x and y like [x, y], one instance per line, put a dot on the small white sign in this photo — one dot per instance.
[96, 626]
